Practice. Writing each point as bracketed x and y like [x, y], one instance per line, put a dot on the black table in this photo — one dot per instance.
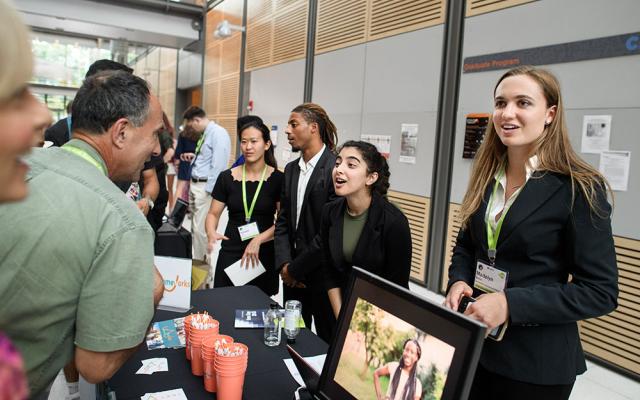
[267, 377]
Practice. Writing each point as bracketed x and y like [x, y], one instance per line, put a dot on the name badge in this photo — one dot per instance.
[489, 279]
[248, 231]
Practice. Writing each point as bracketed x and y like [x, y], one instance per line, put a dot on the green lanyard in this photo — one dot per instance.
[248, 212]
[86, 156]
[199, 144]
[492, 236]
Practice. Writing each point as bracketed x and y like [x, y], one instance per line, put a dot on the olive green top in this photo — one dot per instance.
[352, 228]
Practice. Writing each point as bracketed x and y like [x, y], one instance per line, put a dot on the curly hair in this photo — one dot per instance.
[375, 163]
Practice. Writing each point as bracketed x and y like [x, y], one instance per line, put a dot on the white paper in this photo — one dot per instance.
[240, 275]
[614, 165]
[382, 143]
[408, 143]
[316, 362]
[176, 273]
[153, 365]
[596, 131]
[175, 394]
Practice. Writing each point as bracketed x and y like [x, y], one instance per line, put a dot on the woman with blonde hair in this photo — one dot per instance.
[17, 108]
[534, 215]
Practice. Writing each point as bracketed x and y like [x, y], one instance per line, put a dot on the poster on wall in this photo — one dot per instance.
[382, 143]
[274, 135]
[596, 131]
[475, 127]
[614, 165]
[408, 143]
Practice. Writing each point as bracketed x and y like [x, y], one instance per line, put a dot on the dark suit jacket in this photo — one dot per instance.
[290, 242]
[544, 239]
[384, 246]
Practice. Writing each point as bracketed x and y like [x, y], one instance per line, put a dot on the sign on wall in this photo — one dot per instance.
[592, 49]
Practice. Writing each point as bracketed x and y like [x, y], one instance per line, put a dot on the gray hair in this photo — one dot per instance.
[108, 96]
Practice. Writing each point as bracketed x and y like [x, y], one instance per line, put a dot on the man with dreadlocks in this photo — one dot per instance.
[307, 187]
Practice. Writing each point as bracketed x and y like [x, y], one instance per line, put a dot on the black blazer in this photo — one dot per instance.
[290, 242]
[384, 246]
[544, 240]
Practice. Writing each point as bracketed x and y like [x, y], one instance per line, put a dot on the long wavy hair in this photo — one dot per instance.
[409, 387]
[312, 112]
[552, 147]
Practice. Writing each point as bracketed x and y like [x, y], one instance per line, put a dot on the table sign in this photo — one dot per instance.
[176, 274]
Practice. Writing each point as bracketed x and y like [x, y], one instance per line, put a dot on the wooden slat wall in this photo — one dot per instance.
[158, 68]
[290, 32]
[614, 337]
[276, 32]
[343, 23]
[416, 209]
[392, 17]
[477, 7]
[453, 227]
[222, 66]
[340, 25]
[167, 81]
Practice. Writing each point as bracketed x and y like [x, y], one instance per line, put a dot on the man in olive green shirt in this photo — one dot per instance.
[76, 258]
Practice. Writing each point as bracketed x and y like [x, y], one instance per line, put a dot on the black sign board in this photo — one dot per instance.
[611, 46]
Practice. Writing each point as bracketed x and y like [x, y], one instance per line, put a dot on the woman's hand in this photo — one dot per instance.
[212, 239]
[187, 157]
[251, 253]
[491, 309]
[456, 292]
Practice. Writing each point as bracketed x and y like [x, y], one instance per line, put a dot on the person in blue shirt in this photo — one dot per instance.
[211, 157]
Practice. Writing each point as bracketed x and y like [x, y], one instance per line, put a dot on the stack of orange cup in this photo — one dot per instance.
[187, 326]
[231, 364]
[209, 347]
[201, 326]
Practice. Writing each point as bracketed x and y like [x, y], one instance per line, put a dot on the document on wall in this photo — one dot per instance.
[382, 143]
[408, 143]
[596, 132]
[614, 165]
[273, 135]
[241, 275]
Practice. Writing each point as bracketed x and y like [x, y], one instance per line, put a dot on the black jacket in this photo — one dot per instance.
[290, 242]
[544, 240]
[384, 246]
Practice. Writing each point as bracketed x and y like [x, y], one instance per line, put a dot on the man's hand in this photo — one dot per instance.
[288, 279]
[144, 206]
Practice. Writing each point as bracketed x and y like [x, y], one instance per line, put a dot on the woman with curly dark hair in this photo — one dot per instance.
[362, 227]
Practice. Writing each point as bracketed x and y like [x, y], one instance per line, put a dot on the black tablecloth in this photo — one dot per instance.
[267, 377]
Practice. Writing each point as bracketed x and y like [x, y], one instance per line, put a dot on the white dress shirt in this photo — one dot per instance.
[306, 169]
[499, 203]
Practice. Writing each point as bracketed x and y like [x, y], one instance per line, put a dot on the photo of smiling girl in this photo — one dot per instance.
[404, 383]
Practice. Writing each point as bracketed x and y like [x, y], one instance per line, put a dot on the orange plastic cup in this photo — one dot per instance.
[230, 385]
